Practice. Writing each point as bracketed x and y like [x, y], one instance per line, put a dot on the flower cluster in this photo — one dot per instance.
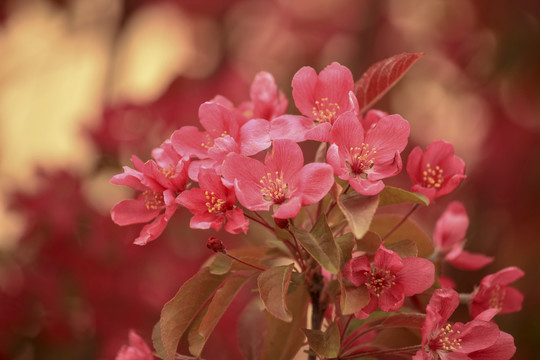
[344, 258]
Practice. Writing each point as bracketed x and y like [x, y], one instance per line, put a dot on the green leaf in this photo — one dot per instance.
[404, 248]
[273, 285]
[345, 244]
[199, 334]
[282, 340]
[320, 244]
[392, 195]
[326, 344]
[358, 210]
[370, 242]
[383, 223]
[352, 298]
[182, 309]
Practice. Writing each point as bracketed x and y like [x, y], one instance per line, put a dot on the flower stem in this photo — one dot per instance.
[243, 262]
[300, 260]
[263, 223]
[381, 352]
[400, 223]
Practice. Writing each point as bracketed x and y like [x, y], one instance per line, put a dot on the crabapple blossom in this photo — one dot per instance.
[322, 98]
[389, 278]
[456, 341]
[155, 202]
[212, 204]
[282, 180]
[493, 292]
[449, 239]
[437, 171]
[365, 157]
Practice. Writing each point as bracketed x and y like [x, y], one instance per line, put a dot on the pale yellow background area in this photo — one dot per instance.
[60, 66]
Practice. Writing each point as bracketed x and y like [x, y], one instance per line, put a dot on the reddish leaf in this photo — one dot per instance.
[414, 320]
[273, 286]
[358, 210]
[380, 78]
[183, 308]
[199, 333]
[251, 324]
[352, 298]
[325, 343]
[282, 340]
[404, 248]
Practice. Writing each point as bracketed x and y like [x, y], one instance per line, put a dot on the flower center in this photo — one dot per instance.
[153, 200]
[210, 140]
[325, 111]
[433, 177]
[448, 339]
[379, 281]
[214, 204]
[497, 295]
[273, 188]
[169, 171]
[362, 159]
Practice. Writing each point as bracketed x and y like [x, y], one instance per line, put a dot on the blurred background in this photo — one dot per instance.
[86, 83]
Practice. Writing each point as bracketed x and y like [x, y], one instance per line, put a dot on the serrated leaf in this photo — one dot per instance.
[383, 223]
[198, 335]
[273, 285]
[370, 242]
[325, 343]
[282, 340]
[358, 210]
[179, 312]
[403, 248]
[352, 298]
[381, 77]
[345, 244]
[392, 195]
[320, 244]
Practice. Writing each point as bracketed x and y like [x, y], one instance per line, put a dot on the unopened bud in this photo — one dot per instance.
[282, 223]
[215, 245]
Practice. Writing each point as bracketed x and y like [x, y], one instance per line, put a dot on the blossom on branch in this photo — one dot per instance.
[155, 202]
[212, 204]
[322, 98]
[458, 341]
[449, 239]
[493, 292]
[136, 350]
[389, 279]
[282, 180]
[365, 157]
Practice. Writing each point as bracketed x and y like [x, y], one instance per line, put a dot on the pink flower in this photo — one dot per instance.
[155, 202]
[136, 350]
[365, 157]
[213, 204]
[436, 172]
[449, 238]
[266, 101]
[457, 341]
[322, 98]
[282, 180]
[389, 279]
[224, 134]
[493, 293]
[169, 169]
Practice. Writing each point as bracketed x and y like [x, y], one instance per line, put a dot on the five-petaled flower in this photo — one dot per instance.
[449, 239]
[212, 204]
[365, 157]
[155, 202]
[322, 98]
[437, 171]
[389, 279]
[282, 180]
[458, 341]
[493, 292]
